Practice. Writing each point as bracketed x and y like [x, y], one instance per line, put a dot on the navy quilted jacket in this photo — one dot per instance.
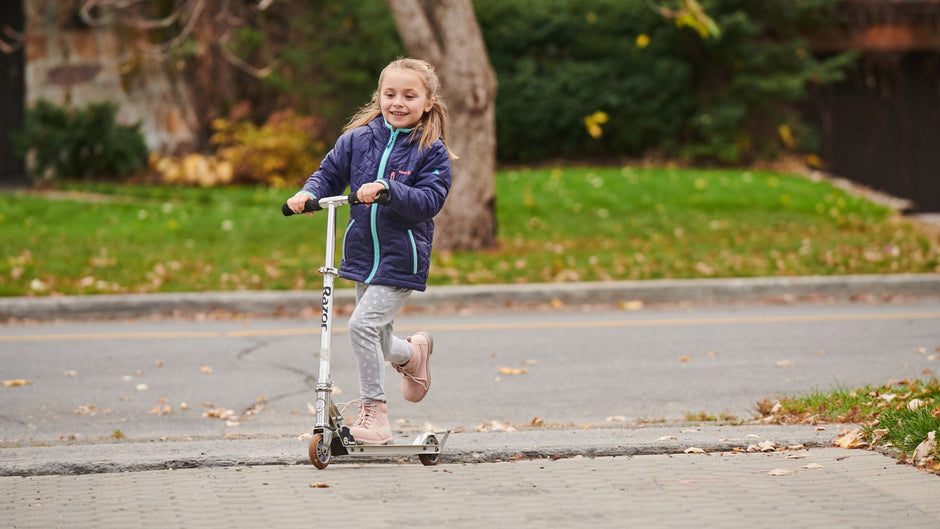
[391, 244]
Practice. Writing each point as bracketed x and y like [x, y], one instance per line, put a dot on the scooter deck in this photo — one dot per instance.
[418, 447]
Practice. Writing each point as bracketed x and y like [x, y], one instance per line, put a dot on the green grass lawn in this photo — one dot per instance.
[898, 415]
[564, 224]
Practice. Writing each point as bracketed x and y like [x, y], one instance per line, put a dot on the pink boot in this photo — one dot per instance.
[416, 373]
[372, 427]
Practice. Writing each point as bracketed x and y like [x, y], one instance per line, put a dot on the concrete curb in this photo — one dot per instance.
[274, 303]
[474, 447]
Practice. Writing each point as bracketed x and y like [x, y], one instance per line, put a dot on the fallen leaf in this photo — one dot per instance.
[922, 454]
[853, 439]
[318, 485]
[15, 383]
[218, 413]
[633, 304]
[495, 426]
[779, 472]
[512, 371]
[70, 373]
[668, 438]
[141, 387]
[693, 450]
[206, 369]
[767, 446]
[685, 358]
[616, 418]
[783, 363]
[812, 466]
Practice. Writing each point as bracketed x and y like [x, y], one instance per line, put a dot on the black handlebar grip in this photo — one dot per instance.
[382, 198]
[310, 205]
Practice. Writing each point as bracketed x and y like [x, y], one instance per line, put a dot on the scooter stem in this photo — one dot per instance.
[329, 271]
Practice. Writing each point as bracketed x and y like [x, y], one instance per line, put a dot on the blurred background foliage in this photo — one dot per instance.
[587, 81]
[666, 89]
[660, 86]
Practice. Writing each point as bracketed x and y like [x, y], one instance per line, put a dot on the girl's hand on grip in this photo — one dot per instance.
[296, 203]
[368, 192]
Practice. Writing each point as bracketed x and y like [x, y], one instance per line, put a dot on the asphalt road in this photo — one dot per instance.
[489, 368]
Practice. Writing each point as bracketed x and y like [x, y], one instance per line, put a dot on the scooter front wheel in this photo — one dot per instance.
[319, 452]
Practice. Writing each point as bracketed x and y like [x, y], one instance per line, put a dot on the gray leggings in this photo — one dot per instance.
[370, 332]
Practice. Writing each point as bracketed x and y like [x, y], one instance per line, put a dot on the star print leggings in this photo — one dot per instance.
[370, 331]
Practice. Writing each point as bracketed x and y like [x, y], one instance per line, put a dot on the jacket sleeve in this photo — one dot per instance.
[332, 177]
[423, 200]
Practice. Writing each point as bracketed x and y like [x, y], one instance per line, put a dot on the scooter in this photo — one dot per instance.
[331, 437]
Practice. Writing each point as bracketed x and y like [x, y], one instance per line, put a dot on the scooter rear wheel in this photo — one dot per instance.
[430, 460]
[319, 452]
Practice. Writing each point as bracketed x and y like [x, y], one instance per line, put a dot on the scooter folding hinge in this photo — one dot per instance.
[329, 270]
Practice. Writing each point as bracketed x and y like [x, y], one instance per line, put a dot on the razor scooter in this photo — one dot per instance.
[331, 436]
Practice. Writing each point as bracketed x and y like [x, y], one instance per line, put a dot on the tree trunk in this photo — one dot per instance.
[446, 34]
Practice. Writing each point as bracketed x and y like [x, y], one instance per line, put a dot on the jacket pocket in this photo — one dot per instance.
[414, 252]
[346, 234]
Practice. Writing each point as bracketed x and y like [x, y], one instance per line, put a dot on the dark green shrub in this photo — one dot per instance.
[728, 99]
[80, 143]
[560, 61]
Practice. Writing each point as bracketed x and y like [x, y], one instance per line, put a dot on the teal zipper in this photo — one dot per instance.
[376, 250]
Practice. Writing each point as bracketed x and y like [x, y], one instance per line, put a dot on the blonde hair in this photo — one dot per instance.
[433, 123]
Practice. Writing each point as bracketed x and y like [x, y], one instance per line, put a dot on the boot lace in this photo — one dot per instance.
[366, 415]
[404, 372]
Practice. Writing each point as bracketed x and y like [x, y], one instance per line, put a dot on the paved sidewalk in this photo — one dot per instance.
[460, 447]
[822, 487]
[608, 477]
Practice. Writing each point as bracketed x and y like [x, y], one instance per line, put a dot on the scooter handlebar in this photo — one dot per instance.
[382, 198]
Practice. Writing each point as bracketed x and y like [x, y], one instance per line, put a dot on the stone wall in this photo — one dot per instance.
[71, 63]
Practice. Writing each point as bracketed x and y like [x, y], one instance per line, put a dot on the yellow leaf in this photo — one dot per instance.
[851, 439]
[642, 40]
[512, 371]
[17, 382]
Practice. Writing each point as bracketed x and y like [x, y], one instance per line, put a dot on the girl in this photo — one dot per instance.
[395, 142]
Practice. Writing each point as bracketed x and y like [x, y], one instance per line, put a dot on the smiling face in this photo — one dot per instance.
[403, 98]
